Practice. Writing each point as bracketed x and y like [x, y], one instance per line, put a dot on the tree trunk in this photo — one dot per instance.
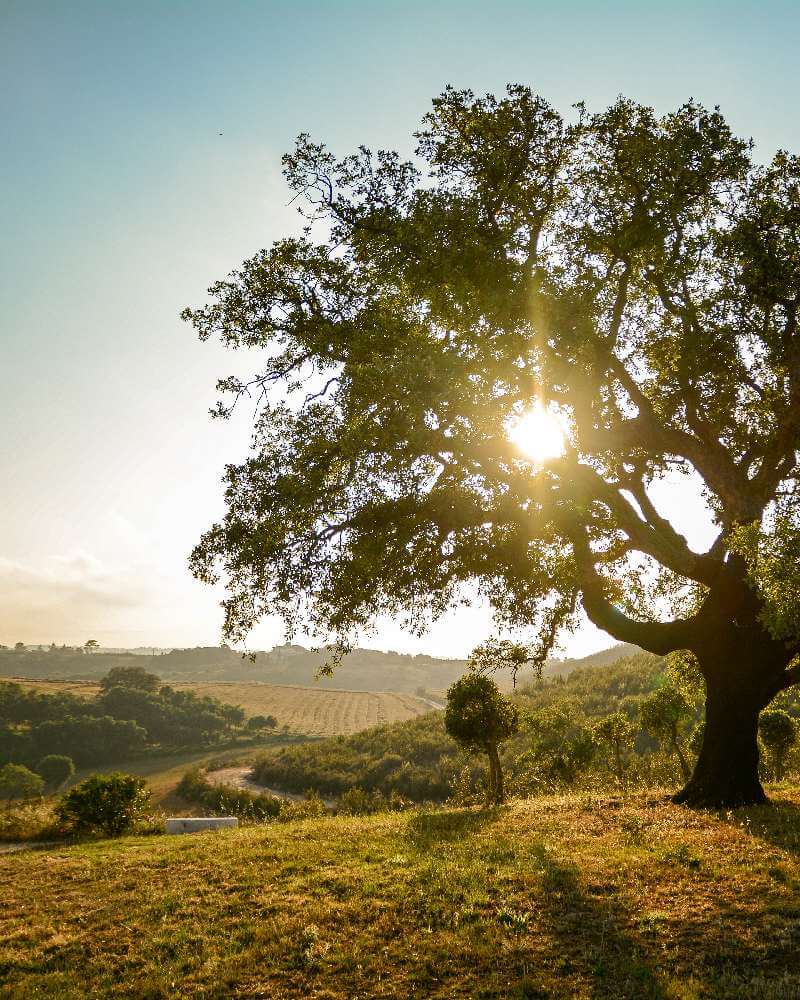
[682, 761]
[496, 792]
[726, 773]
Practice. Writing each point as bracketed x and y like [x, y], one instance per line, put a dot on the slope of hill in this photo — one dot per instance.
[561, 898]
[303, 711]
[417, 759]
[361, 670]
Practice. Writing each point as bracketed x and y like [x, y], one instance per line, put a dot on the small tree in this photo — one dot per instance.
[136, 678]
[109, 803]
[19, 782]
[91, 645]
[479, 719]
[778, 733]
[55, 769]
[19, 647]
[616, 733]
[664, 715]
[258, 723]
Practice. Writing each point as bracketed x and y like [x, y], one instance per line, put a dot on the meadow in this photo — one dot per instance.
[564, 897]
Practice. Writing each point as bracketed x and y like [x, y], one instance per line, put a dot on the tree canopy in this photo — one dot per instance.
[636, 277]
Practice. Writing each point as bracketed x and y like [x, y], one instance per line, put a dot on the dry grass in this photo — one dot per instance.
[563, 898]
[316, 711]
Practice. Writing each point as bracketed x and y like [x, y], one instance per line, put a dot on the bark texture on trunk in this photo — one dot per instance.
[496, 791]
[726, 773]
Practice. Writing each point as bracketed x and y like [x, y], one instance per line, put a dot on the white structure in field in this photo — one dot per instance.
[193, 824]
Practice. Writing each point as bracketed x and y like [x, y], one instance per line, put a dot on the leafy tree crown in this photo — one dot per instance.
[637, 275]
[477, 715]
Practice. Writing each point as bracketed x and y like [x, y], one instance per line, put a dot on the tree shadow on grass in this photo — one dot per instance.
[592, 936]
[777, 822]
[427, 828]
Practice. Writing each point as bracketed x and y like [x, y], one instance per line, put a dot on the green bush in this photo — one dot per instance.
[108, 803]
[55, 769]
[18, 782]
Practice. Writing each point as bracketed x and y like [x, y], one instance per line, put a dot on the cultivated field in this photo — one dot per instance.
[304, 711]
[314, 711]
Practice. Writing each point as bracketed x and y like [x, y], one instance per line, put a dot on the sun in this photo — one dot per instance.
[538, 434]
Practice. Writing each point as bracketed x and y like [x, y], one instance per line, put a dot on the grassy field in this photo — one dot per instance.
[303, 711]
[561, 898]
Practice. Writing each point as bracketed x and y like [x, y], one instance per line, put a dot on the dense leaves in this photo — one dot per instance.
[106, 803]
[121, 721]
[637, 276]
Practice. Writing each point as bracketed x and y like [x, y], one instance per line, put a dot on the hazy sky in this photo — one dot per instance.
[120, 203]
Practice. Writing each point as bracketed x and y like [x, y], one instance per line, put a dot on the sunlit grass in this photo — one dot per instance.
[573, 897]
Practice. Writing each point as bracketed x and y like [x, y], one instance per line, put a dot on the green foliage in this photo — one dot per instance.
[121, 721]
[519, 258]
[88, 740]
[258, 723]
[560, 749]
[56, 770]
[135, 678]
[479, 719]
[18, 782]
[616, 734]
[664, 716]
[477, 716]
[554, 750]
[778, 732]
[106, 803]
[227, 800]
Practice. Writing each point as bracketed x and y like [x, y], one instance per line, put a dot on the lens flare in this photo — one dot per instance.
[538, 434]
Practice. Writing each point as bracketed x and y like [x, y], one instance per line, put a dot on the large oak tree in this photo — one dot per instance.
[639, 276]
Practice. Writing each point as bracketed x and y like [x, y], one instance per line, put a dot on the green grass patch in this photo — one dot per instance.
[562, 898]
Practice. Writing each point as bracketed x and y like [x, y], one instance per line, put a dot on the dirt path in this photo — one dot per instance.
[239, 777]
[26, 845]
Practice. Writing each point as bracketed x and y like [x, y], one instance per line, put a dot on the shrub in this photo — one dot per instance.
[778, 733]
[55, 769]
[258, 723]
[108, 803]
[227, 799]
[18, 782]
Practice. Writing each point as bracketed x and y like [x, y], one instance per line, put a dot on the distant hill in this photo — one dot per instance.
[361, 670]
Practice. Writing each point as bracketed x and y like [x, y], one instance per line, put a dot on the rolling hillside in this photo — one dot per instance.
[303, 711]
[577, 898]
[361, 670]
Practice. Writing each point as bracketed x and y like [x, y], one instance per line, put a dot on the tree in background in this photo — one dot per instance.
[108, 803]
[616, 734]
[485, 362]
[135, 678]
[56, 770]
[479, 718]
[562, 746]
[19, 647]
[18, 782]
[259, 723]
[664, 715]
[91, 645]
[778, 732]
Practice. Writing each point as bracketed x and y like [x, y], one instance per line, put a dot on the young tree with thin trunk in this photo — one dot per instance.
[616, 734]
[664, 715]
[475, 376]
[479, 718]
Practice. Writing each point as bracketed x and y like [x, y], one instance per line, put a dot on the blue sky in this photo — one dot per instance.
[120, 203]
